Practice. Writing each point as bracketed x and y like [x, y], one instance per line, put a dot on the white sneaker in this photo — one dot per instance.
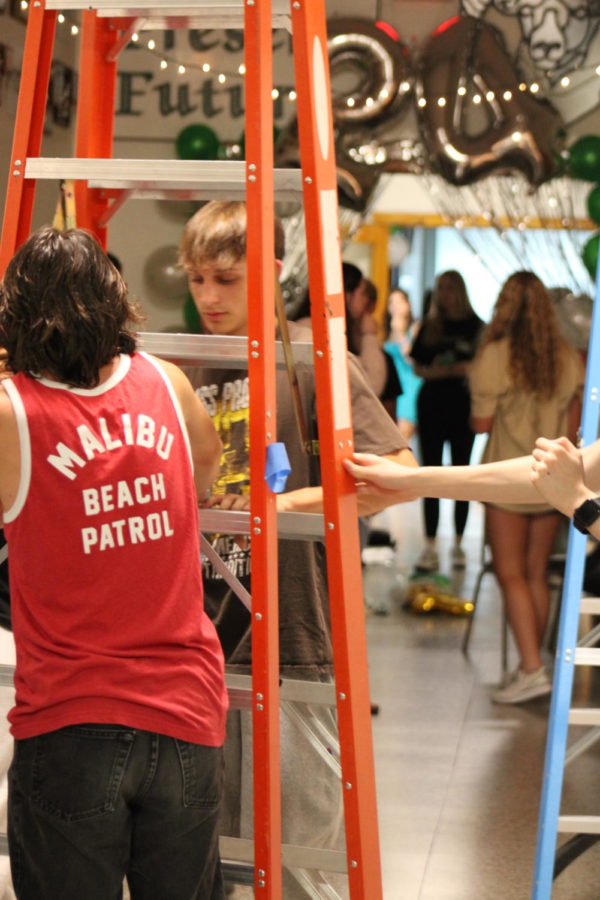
[524, 686]
[428, 561]
[459, 560]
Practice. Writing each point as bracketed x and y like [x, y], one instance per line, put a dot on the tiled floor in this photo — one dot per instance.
[458, 777]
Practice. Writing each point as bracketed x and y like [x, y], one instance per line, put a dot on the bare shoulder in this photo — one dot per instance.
[178, 379]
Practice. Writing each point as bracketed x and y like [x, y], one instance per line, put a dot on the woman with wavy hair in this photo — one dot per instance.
[525, 382]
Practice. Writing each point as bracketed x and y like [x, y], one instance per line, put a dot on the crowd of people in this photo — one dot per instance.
[121, 768]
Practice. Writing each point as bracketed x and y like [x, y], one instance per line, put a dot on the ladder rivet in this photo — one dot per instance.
[252, 167]
[254, 344]
[296, 5]
[308, 180]
[354, 864]
[331, 526]
[340, 444]
[17, 162]
[320, 354]
[260, 697]
[259, 707]
[348, 786]
[261, 882]
[254, 354]
[349, 442]
[251, 177]
[256, 520]
[16, 172]
[341, 695]
[258, 616]
[256, 530]
[261, 872]
[268, 414]
[268, 435]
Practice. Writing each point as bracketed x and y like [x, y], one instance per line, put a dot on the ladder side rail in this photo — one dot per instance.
[29, 127]
[556, 741]
[95, 113]
[336, 440]
[263, 432]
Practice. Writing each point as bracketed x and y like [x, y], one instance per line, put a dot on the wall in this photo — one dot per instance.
[154, 105]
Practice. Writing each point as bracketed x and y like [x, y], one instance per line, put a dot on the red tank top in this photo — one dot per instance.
[105, 580]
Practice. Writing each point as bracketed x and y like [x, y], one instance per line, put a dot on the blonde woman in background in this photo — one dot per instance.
[525, 381]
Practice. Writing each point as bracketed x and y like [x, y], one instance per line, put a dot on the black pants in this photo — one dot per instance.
[443, 410]
[91, 804]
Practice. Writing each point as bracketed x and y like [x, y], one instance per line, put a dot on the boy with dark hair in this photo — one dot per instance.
[120, 699]
[213, 251]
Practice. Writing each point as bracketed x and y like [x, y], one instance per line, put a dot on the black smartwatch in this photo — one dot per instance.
[586, 514]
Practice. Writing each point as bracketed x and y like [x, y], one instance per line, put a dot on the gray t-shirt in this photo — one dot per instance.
[304, 633]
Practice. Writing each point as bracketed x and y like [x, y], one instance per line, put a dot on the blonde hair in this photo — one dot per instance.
[524, 313]
[217, 234]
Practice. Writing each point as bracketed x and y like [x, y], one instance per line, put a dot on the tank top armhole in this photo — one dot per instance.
[174, 400]
[24, 447]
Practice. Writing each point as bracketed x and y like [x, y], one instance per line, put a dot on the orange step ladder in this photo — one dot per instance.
[102, 184]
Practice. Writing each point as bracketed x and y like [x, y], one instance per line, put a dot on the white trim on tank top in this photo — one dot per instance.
[25, 449]
[118, 375]
[175, 401]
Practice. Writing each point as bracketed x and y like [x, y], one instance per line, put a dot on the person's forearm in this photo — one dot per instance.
[507, 481]
[205, 472]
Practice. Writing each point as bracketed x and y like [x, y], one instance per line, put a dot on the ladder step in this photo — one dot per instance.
[584, 716]
[162, 13]
[292, 855]
[220, 351]
[290, 526]
[318, 693]
[590, 605]
[587, 656]
[148, 178]
[579, 824]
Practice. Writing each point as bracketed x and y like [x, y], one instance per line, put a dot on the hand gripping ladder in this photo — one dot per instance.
[102, 184]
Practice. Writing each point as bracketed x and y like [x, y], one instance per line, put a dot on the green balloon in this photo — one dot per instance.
[197, 142]
[590, 254]
[593, 204]
[191, 317]
[584, 158]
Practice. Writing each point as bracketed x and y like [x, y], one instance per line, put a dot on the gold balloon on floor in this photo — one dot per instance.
[432, 593]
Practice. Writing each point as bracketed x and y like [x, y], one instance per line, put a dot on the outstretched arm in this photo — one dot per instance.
[507, 481]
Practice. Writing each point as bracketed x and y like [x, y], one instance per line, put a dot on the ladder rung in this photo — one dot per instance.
[590, 605]
[161, 13]
[584, 716]
[218, 178]
[6, 675]
[221, 351]
[318, 693]
[292, 855]
[587, 656]
[290, 526]
[579, 824]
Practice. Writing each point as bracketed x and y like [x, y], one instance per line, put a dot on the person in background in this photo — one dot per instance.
[213, 252]
[402, 333]
[120, 699]
[361, 327]
[525, 380]
[442, 353]
[392, 389]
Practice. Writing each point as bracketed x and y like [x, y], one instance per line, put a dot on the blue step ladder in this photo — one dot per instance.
[570, 653]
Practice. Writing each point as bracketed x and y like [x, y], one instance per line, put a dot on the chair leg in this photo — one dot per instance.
[504, 642]
[474, 598]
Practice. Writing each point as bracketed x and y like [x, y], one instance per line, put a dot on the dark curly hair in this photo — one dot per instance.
[64, 311]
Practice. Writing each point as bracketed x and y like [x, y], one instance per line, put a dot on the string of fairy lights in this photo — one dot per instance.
[475, 96]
